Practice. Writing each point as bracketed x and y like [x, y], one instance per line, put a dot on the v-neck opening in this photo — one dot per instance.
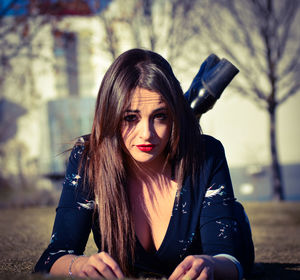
[164, 240]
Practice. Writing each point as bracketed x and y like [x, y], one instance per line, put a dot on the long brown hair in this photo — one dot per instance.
[106, 168]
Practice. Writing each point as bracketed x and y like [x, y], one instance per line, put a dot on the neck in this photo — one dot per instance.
[149, 172]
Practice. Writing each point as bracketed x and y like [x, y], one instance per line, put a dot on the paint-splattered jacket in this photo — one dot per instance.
[203, 220]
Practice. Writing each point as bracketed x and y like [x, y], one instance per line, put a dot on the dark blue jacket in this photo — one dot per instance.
[203, 220]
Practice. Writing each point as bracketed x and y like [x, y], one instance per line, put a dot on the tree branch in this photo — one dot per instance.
[294, 90]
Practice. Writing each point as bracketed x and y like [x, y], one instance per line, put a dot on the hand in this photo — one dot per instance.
[199, 267]
[97, 266]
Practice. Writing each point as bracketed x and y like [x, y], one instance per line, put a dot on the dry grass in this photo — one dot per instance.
[26, 232]
[276, 236]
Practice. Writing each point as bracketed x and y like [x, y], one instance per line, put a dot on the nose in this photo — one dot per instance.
[146, 130]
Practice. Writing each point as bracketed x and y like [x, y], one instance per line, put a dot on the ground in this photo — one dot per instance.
[24, 233]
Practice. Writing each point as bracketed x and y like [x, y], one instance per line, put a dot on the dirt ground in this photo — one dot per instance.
[24, 233]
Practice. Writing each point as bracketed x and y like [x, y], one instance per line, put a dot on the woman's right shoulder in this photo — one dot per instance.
[80, 145]
[77, 160]
[82, 141]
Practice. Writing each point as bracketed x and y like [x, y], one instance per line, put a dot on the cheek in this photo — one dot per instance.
[164, 132]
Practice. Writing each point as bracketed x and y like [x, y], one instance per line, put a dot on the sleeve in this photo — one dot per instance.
[73, 219]
[236, 262]
[219, 229]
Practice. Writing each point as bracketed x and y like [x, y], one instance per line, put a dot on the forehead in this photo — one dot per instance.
[144, 97]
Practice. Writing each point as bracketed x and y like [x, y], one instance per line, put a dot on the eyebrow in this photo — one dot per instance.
[156, 110]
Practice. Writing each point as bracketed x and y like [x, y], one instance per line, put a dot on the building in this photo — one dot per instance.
[54, 80]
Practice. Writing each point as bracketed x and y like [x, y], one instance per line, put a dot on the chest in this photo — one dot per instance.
[152, 211]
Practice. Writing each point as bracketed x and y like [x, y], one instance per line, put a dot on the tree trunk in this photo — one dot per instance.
[276, 179]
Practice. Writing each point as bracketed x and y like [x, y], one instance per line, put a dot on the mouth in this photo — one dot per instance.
[145, 148]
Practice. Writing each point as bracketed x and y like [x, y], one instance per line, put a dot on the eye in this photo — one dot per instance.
[130, 118]
[161, 116]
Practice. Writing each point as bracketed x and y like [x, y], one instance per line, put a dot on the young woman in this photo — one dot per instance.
[155, 192]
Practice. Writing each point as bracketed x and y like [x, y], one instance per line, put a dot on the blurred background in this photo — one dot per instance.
[54, 53]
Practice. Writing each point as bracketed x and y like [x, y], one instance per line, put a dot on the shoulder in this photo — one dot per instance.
[80, 145]
[82, 141]
[212, 147]
[76, 164]
[213, 155]
[78, 155]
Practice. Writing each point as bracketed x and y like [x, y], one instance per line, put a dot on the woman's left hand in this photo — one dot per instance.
[195, 267]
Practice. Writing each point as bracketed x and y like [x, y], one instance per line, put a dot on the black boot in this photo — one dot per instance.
[209, 83]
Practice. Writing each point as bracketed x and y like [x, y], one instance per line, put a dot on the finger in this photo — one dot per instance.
[107, 259]
[90, 271]
[101, 267]
[206, 274]
[195, 271]
[177, 274]
[182, 268]
[105, 270]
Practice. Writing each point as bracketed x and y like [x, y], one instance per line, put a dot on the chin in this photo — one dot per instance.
[140, 160]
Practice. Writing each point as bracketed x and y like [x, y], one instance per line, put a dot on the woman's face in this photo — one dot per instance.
[146, 127]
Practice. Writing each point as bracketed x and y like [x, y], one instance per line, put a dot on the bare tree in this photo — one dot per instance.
[20, 23]
[262, 37]
[167, 27]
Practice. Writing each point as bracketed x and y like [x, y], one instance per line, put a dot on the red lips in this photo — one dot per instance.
[145, 148]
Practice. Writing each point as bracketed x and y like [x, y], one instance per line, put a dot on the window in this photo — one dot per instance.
[66, 65]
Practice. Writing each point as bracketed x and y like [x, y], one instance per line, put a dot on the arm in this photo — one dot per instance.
[205, 267]
[95, 266]
[219, 232]
[71, 230]
[73, 222]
